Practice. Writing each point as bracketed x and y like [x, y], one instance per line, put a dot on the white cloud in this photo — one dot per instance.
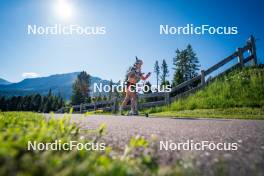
[30, 75]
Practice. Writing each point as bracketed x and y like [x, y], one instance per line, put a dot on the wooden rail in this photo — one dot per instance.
[166, 98]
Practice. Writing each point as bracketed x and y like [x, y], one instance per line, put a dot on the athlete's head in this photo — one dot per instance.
[138, 63]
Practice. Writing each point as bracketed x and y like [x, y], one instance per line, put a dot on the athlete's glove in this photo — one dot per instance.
[148, 74]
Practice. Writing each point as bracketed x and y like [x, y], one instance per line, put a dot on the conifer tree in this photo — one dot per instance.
[81, 89]
[186, 65]
[164, 72]
[157, 71]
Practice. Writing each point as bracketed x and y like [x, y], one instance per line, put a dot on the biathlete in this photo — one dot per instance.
[134, 75]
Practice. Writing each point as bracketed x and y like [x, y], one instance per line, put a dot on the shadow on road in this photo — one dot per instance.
[191, 118]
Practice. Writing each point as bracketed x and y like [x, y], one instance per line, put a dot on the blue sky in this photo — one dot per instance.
[132, 29]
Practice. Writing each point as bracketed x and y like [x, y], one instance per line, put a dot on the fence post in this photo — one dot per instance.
[80, 108]
[253, 51]
[167, 98]
[115, 105]
[202, 78]
[240, 57]
[94, 106]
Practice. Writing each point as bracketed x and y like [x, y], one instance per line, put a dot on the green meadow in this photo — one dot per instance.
[238, 94]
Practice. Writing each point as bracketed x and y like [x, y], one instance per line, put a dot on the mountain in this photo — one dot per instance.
[4, 82]
[60, 84]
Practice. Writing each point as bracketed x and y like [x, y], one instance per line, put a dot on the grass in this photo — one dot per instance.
[97, 112]
[228, 113]
[238, 94]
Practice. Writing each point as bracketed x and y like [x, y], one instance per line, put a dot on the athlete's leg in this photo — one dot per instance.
[136, 104]
[125, 101]
[134, 109]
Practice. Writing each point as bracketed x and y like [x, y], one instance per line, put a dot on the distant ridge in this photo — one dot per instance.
[4, 82]
[60, 84]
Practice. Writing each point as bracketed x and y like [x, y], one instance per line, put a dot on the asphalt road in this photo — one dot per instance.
[248, 159]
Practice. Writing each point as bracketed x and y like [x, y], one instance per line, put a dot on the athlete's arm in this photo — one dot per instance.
[145, 77]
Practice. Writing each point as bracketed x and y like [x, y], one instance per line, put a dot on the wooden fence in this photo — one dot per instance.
[181, 90]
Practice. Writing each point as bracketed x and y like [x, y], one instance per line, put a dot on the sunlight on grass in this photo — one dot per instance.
[233, 113]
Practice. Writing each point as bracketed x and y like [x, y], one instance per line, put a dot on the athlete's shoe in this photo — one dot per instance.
[121, 111]
[135, 113]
